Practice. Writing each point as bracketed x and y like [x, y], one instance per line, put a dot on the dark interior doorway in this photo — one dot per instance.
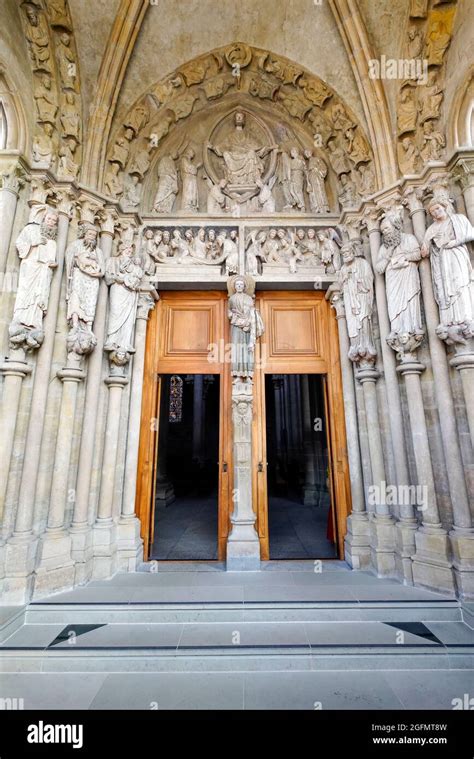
[300, 513]
[186, 499]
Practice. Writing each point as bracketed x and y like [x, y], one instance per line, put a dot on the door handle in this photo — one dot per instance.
[224, 466]
[260, 466]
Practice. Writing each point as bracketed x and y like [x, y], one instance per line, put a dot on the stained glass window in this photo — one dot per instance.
[3, 127]
[176, 399]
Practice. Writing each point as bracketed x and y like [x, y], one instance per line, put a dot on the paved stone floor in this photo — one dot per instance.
[191, 636]
[187, 528]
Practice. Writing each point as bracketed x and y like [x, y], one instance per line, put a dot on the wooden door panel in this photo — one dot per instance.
[190, 326]
[294, 340]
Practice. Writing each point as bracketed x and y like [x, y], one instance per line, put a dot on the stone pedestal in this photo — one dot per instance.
[432, 567]
[462, 546]
[357, 541]
[243, 545]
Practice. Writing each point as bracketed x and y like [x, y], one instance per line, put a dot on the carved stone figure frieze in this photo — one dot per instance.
[357, 282]
[451, 269]
[290, 249]
[408, 156]
[114, 180]
[329, 250]
[85, 267]
[193, 246]
[347, 192]
[407, 111]
[246, 325]
[398, 259]
[36, 247]
[137, 119]
[431, 97]
[338, 158]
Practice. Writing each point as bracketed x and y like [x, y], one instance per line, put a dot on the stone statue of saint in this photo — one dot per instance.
[167, 184]
[188, 170]
[292, 175]
[316, 173]
[36, 246]
[246, 325]
[357, 282]
[451, 270]
[85, 267]
[123, 274]
[398, 260]
[243, 158]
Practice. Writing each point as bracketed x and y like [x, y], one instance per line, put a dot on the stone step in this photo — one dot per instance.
[317, 611]
[238, 646]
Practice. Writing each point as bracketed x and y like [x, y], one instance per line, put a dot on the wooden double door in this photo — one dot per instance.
[188, 333]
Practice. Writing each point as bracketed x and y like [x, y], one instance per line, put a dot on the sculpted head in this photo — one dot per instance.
[438, 209]
[166, 236]
[239, 285]
[300, 233]
[239, 119]
[90, 237]
[391, 228]
[311, 234]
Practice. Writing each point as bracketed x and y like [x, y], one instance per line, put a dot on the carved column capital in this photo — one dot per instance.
[372, 219]
[40, 191]
[12, 178]
[406, 345]
[89, 209]
[366, 371]
[108, 220]
[65, 202]
[413, 199]
[146, 304]
[335, 298]
[463, 173]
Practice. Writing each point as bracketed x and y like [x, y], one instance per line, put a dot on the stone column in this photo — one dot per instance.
[80, 529]
[243, 545]
[461, 535]
[14, 369]
[22, 546]
[55, 566]
[407, 523]
[105, 529]
[463, 361]
[431, 564]
[12, 178]
[130, 544]
[383, 536]
[357, 539]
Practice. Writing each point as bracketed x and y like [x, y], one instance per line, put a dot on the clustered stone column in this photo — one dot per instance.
[124, 274]
[357, 283]
[406, 524]
[81, 530]
[357, 539]
[85, 267]
[27, 329]
[398, 259]
[130, 544]
[12, 179]
[461, 536]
